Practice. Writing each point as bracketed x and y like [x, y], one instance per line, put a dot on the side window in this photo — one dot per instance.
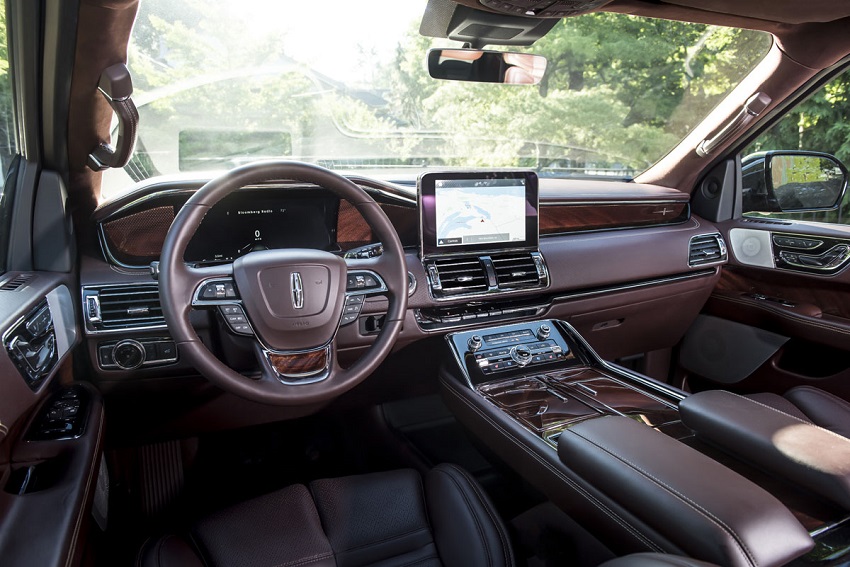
[798, 168]
[8, 133]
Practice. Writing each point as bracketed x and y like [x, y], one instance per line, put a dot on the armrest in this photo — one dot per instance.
[655, 560]
[778, 442]
[709, 511]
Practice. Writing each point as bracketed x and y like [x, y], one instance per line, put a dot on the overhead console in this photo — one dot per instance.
[480, 233]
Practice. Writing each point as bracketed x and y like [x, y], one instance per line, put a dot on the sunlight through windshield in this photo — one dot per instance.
[221, 83]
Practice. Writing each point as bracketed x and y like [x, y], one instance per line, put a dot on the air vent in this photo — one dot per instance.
[16, 283]
[515, 270]
[706, 249]
[123, 307]
[463, 275]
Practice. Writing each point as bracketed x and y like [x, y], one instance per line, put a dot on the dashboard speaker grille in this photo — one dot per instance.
[706, 249]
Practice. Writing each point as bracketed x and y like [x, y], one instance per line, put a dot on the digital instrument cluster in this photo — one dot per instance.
[243, 223]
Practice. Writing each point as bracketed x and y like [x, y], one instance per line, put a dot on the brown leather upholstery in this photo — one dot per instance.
[390, 519]
[776, 440]
[710, 511]
[822, 408]
[655, 560]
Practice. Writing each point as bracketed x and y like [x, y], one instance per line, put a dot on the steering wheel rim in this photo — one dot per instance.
[179, 285]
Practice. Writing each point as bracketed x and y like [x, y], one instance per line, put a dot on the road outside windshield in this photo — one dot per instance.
[476, 212]
[219, 83]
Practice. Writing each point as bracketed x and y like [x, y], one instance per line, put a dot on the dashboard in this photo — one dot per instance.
[248, 220]
[513, 248]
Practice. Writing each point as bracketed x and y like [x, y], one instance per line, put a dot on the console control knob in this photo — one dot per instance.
[521, 355]
[128, 354]
[543, 332]
[474, 343]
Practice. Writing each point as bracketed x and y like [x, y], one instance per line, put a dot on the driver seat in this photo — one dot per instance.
[390, 519]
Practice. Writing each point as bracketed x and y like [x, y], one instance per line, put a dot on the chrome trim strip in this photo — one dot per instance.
[828, 527]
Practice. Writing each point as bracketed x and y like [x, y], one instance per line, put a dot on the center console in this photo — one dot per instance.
[608, 446]
[543, 376]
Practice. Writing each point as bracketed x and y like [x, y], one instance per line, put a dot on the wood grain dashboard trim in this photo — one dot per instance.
[556, 218]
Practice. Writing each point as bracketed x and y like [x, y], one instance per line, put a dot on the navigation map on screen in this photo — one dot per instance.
[480, 211]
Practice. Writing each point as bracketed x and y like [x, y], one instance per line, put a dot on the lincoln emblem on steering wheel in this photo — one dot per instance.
[297, 291]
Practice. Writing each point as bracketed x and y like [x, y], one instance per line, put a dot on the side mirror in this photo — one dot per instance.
[792, 181]
[482, 66]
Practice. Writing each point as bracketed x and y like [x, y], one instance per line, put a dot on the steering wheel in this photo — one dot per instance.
[291, 301]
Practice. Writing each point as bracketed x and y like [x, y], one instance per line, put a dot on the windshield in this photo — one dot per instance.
[220, 83]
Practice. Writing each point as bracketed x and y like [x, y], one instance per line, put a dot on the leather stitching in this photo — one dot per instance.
[575, 486]
[423, 560]
[384, 540]
[795, 418]
[306, 560]
[471, 513]
[493, 518]
[690, 503]
[198, 549]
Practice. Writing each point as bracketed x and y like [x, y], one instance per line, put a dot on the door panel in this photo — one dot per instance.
[807, 305]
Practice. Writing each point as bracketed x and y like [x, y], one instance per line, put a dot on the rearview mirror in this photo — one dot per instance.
[792, 181]
[482, 66]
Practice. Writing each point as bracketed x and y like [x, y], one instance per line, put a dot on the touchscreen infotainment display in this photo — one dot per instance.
[477, 211]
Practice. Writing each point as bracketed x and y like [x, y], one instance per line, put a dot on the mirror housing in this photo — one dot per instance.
[786, 181]
[483, 66]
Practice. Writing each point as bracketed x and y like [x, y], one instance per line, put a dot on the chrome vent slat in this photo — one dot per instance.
[515, 270]
[126, 307]
[705, 249]
[461, 276]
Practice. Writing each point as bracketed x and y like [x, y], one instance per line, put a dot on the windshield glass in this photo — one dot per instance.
[220, 83]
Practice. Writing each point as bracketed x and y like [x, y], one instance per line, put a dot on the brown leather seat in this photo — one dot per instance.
[812, 404]
[389, 519]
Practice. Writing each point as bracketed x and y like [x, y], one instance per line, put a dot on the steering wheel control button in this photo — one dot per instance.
[351, 311]
[129, 354]
[236, 319]
[218, 290]
[362, 281]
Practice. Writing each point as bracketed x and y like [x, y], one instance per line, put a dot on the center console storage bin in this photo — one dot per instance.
[709, 511]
